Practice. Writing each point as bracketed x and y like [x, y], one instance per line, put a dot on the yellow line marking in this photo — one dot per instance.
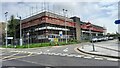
[16, 57]
[10, 56]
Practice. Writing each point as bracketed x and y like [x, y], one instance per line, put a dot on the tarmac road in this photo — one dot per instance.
[52, 56]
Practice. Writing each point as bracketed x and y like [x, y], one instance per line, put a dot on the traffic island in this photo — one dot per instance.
[97, 52]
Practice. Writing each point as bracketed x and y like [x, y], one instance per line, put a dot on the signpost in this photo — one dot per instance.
[9, 38]
[61, 35]
[89, 25]
[118, 22]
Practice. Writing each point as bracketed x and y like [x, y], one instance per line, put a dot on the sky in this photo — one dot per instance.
[102, 13]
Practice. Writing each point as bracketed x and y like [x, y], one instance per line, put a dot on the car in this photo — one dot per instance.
[94, 40]
[99, 39]
[110, 38]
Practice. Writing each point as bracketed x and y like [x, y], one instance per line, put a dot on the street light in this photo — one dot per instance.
[28, 38]
[20, 31]
[65, 12]
[6, 27]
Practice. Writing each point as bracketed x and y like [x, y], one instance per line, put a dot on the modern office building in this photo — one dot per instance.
[44, 26]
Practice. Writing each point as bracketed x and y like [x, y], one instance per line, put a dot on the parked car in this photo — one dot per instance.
[94, 40]
[110, 38]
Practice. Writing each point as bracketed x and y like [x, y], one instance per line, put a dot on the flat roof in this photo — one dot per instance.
[46, 13]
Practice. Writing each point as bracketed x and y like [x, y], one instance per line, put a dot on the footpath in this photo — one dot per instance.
[101, 50]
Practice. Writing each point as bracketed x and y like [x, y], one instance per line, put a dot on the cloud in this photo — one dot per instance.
[60, 0]
[99, 13]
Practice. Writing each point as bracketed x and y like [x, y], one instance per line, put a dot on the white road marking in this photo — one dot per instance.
[78, 56]
[62, 55]
[65, 50]
[44, 53]
[48, 50]
[39, 53]
[112, 59]
[59, 53]
[98, 58]
[92, 56]
[71, 55]
[56, 54]
[88, 57]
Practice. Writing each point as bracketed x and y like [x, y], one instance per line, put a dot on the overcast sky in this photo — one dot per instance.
[97, 12]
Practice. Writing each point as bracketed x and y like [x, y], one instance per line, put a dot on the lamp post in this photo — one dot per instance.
[65, 12]
[20, 31]
[28, 38]
[6, 28]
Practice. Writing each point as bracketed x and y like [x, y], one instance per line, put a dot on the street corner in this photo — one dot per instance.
[96, 54]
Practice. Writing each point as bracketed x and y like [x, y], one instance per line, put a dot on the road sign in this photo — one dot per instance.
[9, 37]
[60, 33]
[117, 22]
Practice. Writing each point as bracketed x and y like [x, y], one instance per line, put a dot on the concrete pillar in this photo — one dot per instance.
[96, 34]
[78, 32]
[77, 26]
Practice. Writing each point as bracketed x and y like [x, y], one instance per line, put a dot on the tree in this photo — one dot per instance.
[12, 23]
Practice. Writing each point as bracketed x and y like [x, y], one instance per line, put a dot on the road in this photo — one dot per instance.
[54, 56]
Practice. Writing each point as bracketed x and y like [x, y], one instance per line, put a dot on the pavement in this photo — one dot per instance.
[109, 49]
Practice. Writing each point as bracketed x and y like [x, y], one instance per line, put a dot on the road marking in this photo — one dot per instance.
[112, 59]
[78, 56]
[62, 55]
[39, 53]
[30, 54]
[88, 57]
[44, 53]
[71, 55]
[10, 56]
[55, 54]
[98, 58]
[65, 50]
[59, 53]
[34, 62]
[66, 54]
[50, 54]
[16, 57]
[48, 50]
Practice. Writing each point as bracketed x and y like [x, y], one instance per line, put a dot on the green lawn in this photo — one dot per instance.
[41, 45]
